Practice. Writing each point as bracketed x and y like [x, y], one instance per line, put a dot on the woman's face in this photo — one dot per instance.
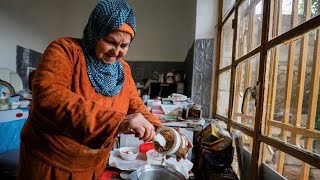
[113, 46]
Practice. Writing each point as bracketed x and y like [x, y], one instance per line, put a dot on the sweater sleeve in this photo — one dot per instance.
[59, 109]
[136, 105]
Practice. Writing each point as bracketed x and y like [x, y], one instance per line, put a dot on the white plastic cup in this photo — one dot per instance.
[153, 157]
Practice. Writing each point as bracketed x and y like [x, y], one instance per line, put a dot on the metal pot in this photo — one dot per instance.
[156, 172]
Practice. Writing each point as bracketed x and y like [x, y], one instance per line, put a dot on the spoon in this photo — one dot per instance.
[160, 139]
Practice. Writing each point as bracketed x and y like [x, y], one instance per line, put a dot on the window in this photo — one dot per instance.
[268, 77]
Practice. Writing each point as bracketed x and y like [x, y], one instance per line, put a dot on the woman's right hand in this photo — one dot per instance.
[137, 124]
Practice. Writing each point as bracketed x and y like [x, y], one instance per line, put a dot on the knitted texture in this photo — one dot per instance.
[107, 16]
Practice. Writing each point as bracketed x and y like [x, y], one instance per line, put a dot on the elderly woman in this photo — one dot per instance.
[83, 96]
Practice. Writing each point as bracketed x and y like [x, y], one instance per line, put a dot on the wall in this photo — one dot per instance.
[75, 16]
[189, 71]
[203, 67]
[141, 70]
[204, 55]
[206, 19]
[165, 28]
[28, 24]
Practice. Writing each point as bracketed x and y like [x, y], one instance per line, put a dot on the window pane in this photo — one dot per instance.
[292, 100]
[226, 43]
[244, 109]
[227, 5]
[223, 93]
[290, 167]
[287, 14]
[243, 153]
[249, 26]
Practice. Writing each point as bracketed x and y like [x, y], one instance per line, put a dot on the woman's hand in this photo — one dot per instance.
[138, 125]
[190, 145]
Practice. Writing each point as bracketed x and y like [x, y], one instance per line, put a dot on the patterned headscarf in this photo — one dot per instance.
[107, 16]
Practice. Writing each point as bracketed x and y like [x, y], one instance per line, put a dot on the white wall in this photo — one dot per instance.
[28, 24]
[166, 28]
[207, 19]
[75, 16]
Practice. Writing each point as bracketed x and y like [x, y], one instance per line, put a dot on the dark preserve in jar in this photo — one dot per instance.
[176, 143]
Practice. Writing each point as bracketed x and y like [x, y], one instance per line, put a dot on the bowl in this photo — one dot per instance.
[24, 103]
[13, 99]
[26, 95]
[156, 172]
[14, 105]
[129, 153]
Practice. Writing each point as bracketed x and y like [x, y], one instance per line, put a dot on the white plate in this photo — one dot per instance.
[6, 89]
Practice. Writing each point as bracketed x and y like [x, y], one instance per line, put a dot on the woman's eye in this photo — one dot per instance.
[109, 42]
[124, 46]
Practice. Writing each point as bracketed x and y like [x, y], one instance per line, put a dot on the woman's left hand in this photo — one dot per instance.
[190, 145]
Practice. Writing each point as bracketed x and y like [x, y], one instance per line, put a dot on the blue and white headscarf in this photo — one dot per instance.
[108, 15]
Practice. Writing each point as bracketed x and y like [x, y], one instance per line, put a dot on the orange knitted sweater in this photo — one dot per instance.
[71, 126]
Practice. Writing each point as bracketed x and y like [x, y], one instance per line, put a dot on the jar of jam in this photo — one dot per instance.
[194, 112]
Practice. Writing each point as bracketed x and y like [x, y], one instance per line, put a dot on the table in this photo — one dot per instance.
[111, 173]
[11, 123]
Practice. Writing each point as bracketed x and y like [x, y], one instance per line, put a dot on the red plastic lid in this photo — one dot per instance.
[144, 147]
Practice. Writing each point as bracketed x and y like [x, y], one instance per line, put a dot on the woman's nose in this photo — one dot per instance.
[115, 50]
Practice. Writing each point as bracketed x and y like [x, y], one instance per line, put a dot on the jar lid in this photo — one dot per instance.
[145, 147]
[196, 106]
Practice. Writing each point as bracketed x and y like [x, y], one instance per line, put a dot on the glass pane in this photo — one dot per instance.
[242, 156]
[249, 26]
[287, 14]
[244, 109]
[227, 5]
[226, 43]
[223, 93]
[290, 167]
[292, 99]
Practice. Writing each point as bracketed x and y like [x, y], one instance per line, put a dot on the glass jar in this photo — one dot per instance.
[194, 112]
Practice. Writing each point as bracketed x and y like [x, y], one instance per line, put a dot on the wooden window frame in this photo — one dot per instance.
[262, 49]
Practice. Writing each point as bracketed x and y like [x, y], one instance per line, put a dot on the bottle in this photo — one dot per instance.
[161, 79]
[177, 77]
[170, 77]
[176, 143]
